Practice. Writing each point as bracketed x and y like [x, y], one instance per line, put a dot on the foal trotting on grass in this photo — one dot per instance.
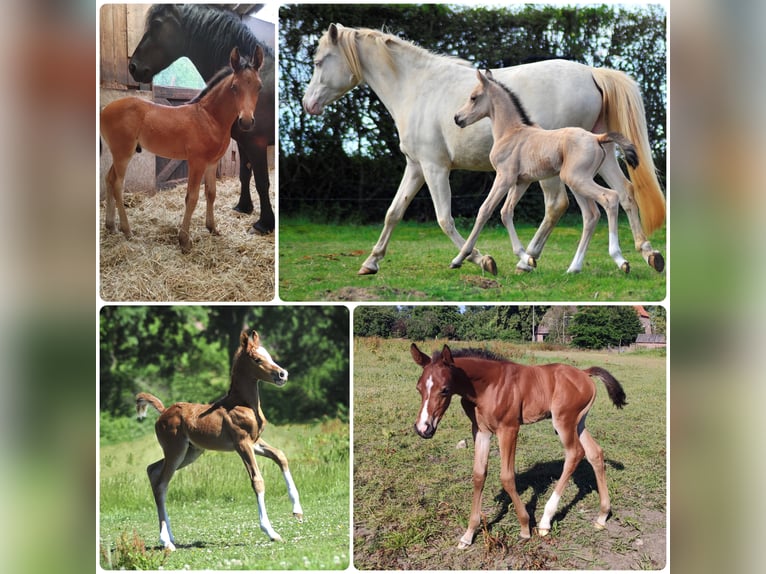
[234, 422]
[523, 153]
[198, 131]
[499, 396]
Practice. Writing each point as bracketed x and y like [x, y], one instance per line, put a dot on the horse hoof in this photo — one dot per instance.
[462, 544]
[625, 267]
[532, 262]
[298, 516]
[239, 209]
[366, 271]
[259, 228]
[657, 261]
[598, 526]
[184, 242]
[543, 532]
[454, 265]
[488, 264]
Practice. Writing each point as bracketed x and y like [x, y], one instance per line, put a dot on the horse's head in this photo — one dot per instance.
[245, 85]
[161, 44]
[436, 388]
[477, 106]
[336, 69]
[257, 361]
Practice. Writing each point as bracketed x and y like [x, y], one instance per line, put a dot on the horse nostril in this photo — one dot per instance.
[132, 68]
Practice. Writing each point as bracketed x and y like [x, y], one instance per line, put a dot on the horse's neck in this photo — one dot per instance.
[244, 391]
[504, 115]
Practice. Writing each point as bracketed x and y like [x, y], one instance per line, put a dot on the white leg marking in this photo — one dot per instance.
[292, 492]
[265, 522]
[165, 536]
[550, 510]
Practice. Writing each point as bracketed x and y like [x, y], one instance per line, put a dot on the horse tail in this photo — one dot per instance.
[613, 386]
[628, 149]
[143, 401]
[623, 111]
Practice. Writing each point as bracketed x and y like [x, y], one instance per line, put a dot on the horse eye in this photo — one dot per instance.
[444, 392]
[234, 88]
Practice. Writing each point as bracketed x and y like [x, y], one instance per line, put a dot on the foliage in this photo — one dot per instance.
[599, 327]
[130, 553]
[185, 353]
[347, 164]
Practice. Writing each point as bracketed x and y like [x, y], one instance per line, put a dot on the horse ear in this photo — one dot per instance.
[243, 337]
[256, 338]
[258, 57]
[489, 75]
[333, 30]
[447, 356]
[234, 59]
[420, 357]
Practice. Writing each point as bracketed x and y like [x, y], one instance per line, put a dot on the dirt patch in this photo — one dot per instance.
[373, 294]
[481, 282]
[233, 266]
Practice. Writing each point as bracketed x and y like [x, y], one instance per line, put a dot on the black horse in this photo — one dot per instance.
[206, 35]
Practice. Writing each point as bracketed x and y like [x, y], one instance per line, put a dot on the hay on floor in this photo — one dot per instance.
[233, 266]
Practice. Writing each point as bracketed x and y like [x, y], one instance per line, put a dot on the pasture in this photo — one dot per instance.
[412, 496]
[233, 266]
[319, 261]
[213, 509]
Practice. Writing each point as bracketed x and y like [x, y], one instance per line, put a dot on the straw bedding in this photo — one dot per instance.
[234, 266]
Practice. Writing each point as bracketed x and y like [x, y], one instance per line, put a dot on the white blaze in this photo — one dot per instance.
[423, 418]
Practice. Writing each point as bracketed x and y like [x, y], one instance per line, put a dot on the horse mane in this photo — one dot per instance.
[386, 42]
[219, 76]
[201, 20]
[515, 101]
[475, 353]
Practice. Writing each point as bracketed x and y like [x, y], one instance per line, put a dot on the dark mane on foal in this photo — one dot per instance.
[473, 352]
[516, 102]
[219, 77]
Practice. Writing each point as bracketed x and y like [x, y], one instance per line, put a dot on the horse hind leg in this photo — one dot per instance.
[160, 473]
[115, 184]
[590, 217]
[556, 204]
[262, 448]
[210, 193]
[595, 455]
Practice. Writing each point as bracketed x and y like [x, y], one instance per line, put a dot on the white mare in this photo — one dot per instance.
[422, 90]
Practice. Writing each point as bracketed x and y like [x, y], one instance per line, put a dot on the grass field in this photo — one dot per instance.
[412, 496]
[319, 262]
[213, 510]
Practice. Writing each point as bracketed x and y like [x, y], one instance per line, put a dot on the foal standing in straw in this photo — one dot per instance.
[523, 153]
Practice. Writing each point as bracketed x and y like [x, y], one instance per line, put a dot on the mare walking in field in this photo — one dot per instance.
[498, 396]
[198, 131]
[422, 90]
[234, 422]
[205, 34]
[523, 153]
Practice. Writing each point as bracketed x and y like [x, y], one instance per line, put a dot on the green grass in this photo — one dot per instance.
[320, 261]
[412, 496]
[213, 510]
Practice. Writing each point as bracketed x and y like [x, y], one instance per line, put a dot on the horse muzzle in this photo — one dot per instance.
[427, 432]
[140, 72]
[246, 124]
[280, 378]
[459, 121]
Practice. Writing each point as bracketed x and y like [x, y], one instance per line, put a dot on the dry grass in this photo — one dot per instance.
[234, 266]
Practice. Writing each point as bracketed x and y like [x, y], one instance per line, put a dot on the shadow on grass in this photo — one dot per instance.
[539, 479]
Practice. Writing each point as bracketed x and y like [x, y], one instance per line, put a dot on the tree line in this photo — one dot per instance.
[346, 163]
[184, 353]
[589, 327]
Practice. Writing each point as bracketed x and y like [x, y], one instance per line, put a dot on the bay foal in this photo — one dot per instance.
[234, 422]
[198, 131]
[498, 396]
[523, 153]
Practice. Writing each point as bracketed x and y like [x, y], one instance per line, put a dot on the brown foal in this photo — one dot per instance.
[234, 422]
[499, 396]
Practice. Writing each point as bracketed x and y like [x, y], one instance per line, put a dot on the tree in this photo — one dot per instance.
[603, 326]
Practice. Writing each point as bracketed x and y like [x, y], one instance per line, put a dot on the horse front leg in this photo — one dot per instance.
[499, 189]
[506, 438]
[210, 192]
[245, 450]
[196, 172]
[412, 181]
[556, 204]
[259, 162]
[481, 456]
[263, 449]
[526, 262]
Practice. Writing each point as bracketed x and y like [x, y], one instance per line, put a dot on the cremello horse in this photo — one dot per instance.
[234, 422]
[422, 90]
[523, 153]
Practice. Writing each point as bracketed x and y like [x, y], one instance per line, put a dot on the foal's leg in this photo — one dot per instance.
[611, 172]
[196, 172]
[481, 441]
[567, 429]
[590, 217]
[500, 187]
[115, 183]
[507, 440]
[245, 450]
[263, 449]
[412, 181]
[595, 455]
[210, 197]
[556, 204]
[526, 263]
[177, 455]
